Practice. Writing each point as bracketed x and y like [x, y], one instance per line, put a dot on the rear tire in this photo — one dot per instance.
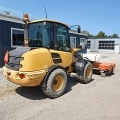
[86, 77]
[56, 83]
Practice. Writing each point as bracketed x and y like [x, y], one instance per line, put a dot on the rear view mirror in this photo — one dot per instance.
[78, 28]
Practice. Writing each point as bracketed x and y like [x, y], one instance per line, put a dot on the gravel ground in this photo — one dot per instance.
[5, 86]
[98, 100]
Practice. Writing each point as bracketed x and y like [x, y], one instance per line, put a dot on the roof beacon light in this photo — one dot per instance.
[26, 17]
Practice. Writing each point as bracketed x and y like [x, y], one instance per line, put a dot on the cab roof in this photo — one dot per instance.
[48, 20]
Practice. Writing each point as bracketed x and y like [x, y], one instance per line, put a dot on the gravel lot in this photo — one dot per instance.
[98, 100]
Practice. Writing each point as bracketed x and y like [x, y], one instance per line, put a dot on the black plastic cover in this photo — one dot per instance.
[79, 66]
[15, 58]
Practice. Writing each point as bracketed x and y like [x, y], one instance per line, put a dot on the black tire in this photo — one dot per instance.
[56, 83]
[86, 77]
[111, 71]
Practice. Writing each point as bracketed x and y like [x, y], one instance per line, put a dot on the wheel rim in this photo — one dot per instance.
[88, 72]
[58, 83]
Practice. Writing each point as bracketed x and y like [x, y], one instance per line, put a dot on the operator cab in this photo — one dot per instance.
[49, 34]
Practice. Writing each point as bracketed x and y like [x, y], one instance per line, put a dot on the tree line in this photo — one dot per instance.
[101, 34]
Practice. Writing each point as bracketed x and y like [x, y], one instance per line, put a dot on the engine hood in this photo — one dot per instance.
[29, 59]
[36, 59]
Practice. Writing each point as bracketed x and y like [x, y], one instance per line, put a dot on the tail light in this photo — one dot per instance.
[6, 57]
[22, 75]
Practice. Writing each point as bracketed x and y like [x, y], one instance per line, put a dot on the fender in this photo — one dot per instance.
[80, 65]
[50, 70]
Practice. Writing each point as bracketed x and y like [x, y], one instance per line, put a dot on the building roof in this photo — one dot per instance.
[75, 32]
[11, 18]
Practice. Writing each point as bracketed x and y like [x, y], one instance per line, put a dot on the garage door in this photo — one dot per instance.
[106, 46]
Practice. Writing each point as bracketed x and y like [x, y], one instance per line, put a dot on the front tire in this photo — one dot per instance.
[56, 83]
[86, 77]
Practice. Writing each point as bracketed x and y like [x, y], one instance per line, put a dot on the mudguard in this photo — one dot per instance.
[79, 66]
[50, 70]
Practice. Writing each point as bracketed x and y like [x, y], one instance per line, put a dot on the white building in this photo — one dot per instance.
[106, 45]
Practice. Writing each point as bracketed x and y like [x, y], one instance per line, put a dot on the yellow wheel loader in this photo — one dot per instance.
[46, 59]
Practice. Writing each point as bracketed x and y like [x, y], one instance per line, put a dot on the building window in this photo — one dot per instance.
[73, 42]
[17, 37]
[83, 42]
[88, 44]
[109, 45]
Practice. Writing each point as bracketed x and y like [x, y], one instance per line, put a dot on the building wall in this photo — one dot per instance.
[78, 36]
[109, 45]
[5, 37]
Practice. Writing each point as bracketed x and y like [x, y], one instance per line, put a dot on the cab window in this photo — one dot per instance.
[62, 42]
[41, 34]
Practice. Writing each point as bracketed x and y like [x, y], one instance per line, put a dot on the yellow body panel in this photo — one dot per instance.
[67, 59]
[65, 56]
[74, 49]
[36, 59]
[31, 78]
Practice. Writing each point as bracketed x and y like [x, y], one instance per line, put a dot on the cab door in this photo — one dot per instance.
[62, 45]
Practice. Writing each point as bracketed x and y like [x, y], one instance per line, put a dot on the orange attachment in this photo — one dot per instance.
[104, 66]
[6, 57]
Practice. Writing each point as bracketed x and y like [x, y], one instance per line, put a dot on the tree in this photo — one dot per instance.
[109, 36]
[85, 32]
[115, 35]
[91, 36]
[101, 34]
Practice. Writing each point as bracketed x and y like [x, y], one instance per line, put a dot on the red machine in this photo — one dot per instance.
[104, 68]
